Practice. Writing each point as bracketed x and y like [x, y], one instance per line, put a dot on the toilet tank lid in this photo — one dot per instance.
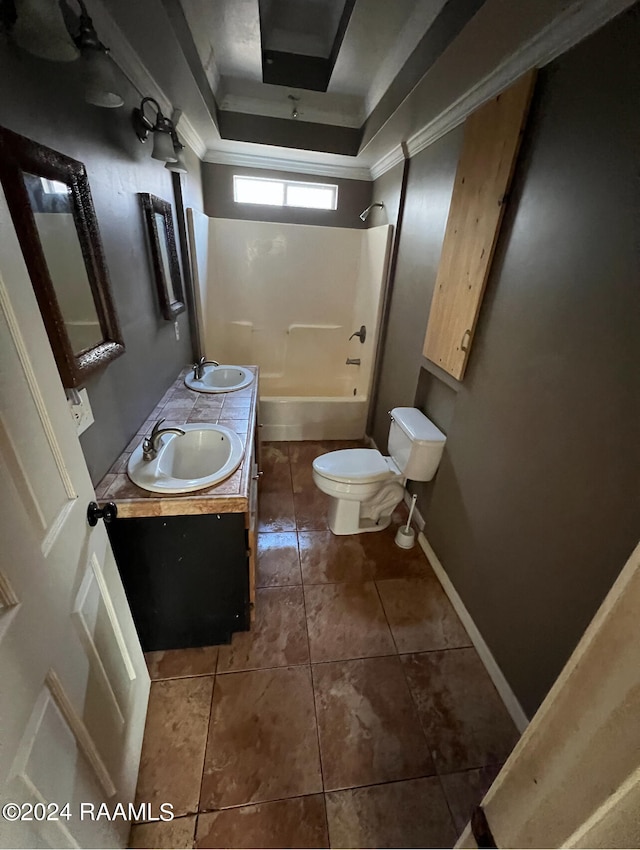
[416, 426]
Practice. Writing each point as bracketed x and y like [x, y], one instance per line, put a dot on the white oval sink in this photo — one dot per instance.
[204, 456]
[220, 379]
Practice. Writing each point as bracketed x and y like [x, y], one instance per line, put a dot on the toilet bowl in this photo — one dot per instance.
[365, 486]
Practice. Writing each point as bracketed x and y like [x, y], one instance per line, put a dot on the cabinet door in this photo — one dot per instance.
[186, 577]
[489, 150]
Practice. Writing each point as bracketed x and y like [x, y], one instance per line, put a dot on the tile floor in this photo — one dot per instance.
[356, 713]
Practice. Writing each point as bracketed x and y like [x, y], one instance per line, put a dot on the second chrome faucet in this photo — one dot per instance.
[198, 368]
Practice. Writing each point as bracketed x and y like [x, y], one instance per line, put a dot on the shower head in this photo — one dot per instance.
[364, 215]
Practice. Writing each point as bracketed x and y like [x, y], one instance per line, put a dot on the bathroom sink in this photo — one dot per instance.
[220, 379]
[204, 456]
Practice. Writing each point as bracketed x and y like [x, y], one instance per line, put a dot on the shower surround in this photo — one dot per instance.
[287, 297]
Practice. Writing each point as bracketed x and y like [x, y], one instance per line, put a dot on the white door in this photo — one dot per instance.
[73, 683]
[573, 779]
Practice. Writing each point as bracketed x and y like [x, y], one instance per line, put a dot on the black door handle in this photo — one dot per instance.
[108, 513]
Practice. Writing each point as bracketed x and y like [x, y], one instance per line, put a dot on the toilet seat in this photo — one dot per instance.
[355, 466]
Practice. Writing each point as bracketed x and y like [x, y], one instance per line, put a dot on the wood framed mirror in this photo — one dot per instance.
[52, 210]
[164, 255]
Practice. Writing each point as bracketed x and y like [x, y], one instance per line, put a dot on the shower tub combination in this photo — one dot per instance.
[290, 298]
[332, 411]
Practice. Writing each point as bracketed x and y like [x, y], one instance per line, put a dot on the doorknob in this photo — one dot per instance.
[108, 513]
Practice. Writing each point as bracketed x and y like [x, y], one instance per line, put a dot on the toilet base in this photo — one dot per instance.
[345, 514]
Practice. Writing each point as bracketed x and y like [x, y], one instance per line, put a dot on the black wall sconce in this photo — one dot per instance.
[167, 147]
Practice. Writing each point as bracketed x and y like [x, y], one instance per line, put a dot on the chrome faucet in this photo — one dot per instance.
[151, 444]
[198, 368]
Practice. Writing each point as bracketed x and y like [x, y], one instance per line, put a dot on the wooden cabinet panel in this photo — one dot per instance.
[489, 149]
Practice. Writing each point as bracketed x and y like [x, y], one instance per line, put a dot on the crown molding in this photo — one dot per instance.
[564, 32]
[136, 71]
[190, 136]
[348, 172]
[387, 162]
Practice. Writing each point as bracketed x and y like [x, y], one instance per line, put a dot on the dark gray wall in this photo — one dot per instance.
[43, 100]
[535, 507]
[217, 185]
[387, 191]
[428, 193]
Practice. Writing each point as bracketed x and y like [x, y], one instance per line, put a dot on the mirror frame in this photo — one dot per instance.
[152, 206]
[19, 154]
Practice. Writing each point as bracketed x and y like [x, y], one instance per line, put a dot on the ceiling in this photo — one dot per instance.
[230, 36]
[364, 76]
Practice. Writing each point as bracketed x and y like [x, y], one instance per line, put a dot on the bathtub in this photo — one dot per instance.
[312, 417]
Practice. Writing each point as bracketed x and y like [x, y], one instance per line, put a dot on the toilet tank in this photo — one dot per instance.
[415, 443]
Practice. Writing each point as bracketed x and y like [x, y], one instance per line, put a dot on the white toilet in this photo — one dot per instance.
[365, 486]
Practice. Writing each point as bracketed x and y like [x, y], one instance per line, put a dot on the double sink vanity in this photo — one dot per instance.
[185, 533]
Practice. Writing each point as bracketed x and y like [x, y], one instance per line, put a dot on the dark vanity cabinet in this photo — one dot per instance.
[186, 577]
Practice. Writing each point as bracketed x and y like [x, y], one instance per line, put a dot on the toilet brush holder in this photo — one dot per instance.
[405, 537]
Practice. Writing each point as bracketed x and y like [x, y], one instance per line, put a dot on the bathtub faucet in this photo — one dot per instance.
[198, 368]
[353, 361]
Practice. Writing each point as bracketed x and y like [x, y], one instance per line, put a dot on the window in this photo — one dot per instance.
[284, 193]
[54, 187]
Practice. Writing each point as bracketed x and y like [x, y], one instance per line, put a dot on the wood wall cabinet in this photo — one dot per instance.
[490, 147]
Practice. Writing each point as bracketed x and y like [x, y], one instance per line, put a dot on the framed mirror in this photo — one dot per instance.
[50, 203]
[164, 255]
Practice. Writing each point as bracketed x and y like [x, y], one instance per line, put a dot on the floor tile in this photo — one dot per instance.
[368, 726]
[311, 508]
[390, 561]
[276, 512]
[179, 663]
[326, 558]
[302, 478]
[346, 621]
[263, 743]
[463, 717]
[298, 822]
[278, 637]
[420, 615]
[400, 814]
[303, 453]
[464, 791]
[274, 463]
[174, 743]
[278, 559]
[178, 834]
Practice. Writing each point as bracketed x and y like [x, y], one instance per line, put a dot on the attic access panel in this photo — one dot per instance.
[301, 40]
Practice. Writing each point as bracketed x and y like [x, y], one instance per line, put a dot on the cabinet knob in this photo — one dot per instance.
[466, 339]
[257, 475]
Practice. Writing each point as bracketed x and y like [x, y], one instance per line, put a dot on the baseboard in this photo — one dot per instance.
[497, 676]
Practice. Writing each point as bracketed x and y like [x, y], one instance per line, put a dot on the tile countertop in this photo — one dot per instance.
[236, 410]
